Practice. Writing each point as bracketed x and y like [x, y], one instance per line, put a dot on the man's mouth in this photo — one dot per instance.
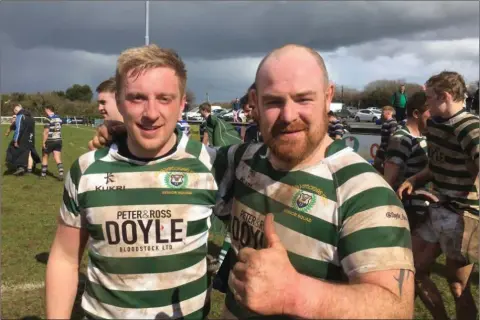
[148, 127]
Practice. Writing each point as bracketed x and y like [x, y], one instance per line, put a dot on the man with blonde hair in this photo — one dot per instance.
[452, 225]
[142, 205]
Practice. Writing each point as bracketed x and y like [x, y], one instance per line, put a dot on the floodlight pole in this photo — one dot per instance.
[147, 16]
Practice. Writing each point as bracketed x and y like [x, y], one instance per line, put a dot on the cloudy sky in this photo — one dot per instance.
[52, 45]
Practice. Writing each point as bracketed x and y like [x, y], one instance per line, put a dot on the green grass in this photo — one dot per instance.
[29, 209]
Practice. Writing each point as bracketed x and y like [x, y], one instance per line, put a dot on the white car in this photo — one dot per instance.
[229, 116]
[192, 116]
[368, 115]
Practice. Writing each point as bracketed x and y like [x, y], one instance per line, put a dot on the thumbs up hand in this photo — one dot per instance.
[262, 279]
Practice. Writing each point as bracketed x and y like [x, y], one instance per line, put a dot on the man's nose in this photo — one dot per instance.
[150, 110]
[289, 111]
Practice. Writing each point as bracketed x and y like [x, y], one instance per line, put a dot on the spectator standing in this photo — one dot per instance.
[399, 101]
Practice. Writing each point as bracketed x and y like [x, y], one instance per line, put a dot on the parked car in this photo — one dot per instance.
[219, 112]
[229, 116]
[352, 111]
[368, 115]
[192, 116]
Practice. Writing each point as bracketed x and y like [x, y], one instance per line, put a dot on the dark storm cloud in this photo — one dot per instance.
[214, 30]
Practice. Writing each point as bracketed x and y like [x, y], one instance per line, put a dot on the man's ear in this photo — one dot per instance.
[416, 114]
[182, 106]
[252, 97]
[329, 93]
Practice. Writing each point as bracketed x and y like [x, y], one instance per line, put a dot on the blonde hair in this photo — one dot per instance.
[448, 81]
[388, 108]
[140, 59]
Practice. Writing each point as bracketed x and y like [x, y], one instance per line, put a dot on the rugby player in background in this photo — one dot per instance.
[252, 133]
[52, 141]
[107, 104]
[407, 154]
[388, 128]
[335, 127]
[452, 225]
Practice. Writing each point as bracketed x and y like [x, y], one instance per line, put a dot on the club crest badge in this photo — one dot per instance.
[176, 180]
[303, 201]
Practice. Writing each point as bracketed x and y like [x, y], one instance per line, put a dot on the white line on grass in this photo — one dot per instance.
[22, 286]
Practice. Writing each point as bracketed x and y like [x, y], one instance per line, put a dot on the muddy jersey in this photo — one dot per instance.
[336, 218]
[453, 149]
[148, 227]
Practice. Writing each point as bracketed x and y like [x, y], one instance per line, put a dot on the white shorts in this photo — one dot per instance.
[456, 233]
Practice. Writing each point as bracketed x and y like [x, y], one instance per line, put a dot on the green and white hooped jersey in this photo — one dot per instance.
[148, 228]
[336, 218]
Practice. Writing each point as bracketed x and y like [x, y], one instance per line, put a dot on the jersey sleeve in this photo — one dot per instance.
[393, 127]
[374, 231]
[18, 127]
[399, 150]
[468, 136]
[70, 210]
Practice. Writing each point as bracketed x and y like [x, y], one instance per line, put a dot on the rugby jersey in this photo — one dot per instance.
[408, 152]
[336, 218]
[148, 228]
[453, 149]
[388, 127]
[54, 126]
[335, 128]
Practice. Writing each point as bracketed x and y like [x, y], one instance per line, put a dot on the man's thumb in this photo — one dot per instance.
[271, 236]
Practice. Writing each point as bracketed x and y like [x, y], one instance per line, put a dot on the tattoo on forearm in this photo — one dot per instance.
[401, 277]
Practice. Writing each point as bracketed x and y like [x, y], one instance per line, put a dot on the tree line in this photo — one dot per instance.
[78, 101]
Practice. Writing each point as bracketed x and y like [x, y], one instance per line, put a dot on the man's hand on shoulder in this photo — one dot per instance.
[106, 134]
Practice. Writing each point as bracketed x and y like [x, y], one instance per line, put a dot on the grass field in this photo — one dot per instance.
[29, 209]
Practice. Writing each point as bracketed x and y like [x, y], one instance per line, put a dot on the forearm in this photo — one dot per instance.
[61, 288]
[422, 177]
[45, 137]
[391, 172]
[316, 299]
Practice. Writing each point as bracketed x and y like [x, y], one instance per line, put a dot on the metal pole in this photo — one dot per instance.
[147, 16]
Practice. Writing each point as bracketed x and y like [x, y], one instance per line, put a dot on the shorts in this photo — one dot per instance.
[457, 233]
[51, 146]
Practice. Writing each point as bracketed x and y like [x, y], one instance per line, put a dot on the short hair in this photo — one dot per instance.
[388, 108]
[244, 100]
[331, 113]
[314, 53]
[418, 101]
[139, 59]
[205, 107]
[253, 86]
[448, 81]
[108, 85]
